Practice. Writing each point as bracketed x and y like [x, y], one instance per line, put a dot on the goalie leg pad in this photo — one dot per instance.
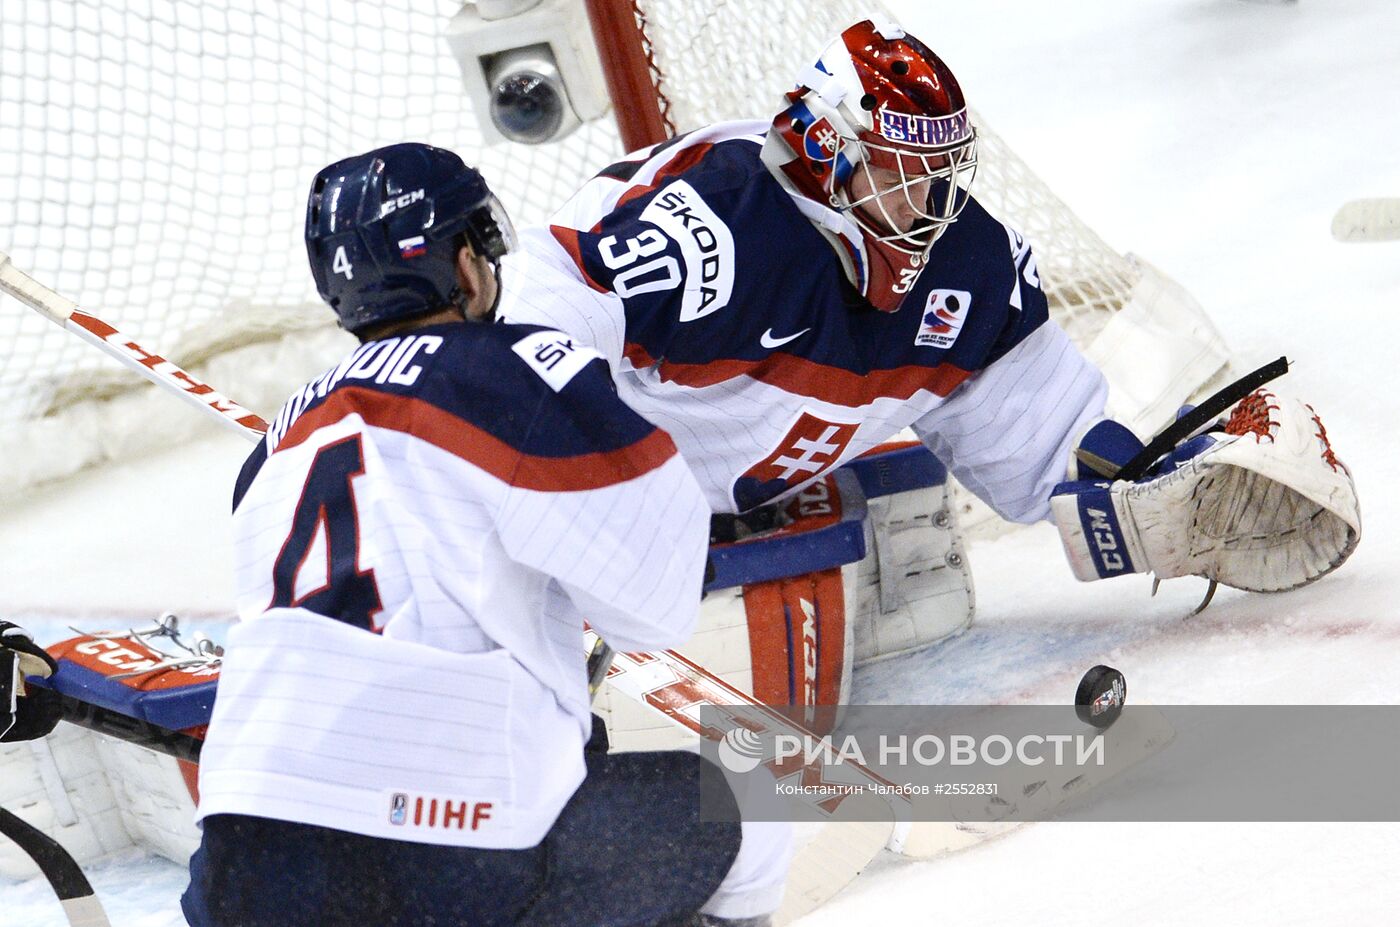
[100, 794]
[913, 588]
[830, 580]
[773, 623]
[799, 641]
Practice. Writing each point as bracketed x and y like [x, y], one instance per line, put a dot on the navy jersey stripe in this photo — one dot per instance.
[428, 422]
[473, 383]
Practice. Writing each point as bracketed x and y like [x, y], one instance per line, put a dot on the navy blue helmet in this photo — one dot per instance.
[383, 230]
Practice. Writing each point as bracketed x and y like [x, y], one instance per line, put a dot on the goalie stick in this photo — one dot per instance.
[826, 864]
[1368, 220]
[80, 904]
[1192, 422]
[850, 835]
[132, 730]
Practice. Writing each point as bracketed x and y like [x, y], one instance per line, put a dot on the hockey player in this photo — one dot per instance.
[402, 731]
[783, 295]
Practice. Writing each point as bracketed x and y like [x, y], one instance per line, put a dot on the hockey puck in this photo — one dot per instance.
[1101, 695]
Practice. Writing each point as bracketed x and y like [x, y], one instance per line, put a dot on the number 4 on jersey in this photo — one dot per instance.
[327, 509]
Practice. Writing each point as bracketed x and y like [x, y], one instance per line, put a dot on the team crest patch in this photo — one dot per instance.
[820, 141]
[943, 318]
[811, 446]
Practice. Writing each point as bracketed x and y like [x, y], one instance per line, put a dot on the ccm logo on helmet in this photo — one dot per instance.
[400, 202]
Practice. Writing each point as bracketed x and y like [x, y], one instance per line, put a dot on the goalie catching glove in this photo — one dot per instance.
[26, 712]
[1261, 504]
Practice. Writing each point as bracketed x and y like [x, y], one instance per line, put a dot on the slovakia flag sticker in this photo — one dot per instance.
[413, 247]
[943, 318]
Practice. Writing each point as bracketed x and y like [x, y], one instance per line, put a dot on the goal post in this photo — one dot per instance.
[623, 52]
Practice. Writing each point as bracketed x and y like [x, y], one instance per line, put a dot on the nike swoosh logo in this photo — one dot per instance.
[768, 341]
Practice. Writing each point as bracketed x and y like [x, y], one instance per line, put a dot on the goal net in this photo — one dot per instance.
[155, 156]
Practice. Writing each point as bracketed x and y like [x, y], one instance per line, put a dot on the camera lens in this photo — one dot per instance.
[527, 107]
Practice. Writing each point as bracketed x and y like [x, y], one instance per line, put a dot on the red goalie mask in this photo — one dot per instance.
[878, 130]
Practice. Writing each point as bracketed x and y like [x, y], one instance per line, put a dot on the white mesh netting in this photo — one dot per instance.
[154, 156]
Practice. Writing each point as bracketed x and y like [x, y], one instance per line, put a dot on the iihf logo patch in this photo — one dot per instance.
[943, 318]
[398, 809]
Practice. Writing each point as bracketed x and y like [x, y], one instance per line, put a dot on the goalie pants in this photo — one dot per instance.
[628, 849]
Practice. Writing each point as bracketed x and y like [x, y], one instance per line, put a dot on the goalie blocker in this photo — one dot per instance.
[1260, 503]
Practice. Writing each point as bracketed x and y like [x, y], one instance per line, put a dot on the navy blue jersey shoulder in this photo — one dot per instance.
[533, 388]
[530, 387]
[992, 264]
[715, 262]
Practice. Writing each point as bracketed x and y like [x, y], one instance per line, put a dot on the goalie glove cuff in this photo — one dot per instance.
[1097, 530]
[1102, 451]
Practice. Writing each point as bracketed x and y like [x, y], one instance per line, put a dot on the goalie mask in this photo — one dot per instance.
[383, 230]
[877, 130]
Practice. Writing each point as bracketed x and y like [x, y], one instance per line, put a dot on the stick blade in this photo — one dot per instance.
[1368, 220]
[80, 904]
[838, 851]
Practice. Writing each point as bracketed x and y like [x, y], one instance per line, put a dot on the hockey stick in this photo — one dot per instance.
[1199, 417]
[132, 730]
[860, 840]
[152, 366]
[80, 904]
[1368, 220]
[670, 683]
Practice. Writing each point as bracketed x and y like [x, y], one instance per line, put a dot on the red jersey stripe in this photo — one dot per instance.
[804, 377]
[459, 437]
[568, 239]
[683, 161]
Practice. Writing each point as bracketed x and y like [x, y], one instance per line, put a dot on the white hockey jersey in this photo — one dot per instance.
[728, 322]
[419, 541]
